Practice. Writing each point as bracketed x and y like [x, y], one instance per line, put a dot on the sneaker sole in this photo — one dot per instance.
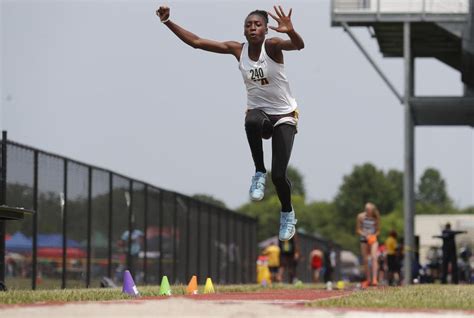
[256, 199]
[291, 236]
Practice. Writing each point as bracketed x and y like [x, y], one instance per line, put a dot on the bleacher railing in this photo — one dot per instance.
[401, 6]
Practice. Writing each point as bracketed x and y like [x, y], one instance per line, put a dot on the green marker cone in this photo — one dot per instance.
[165, 289]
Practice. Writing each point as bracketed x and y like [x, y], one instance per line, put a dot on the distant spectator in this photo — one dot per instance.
[316, 263]
[289, 256]
[449, 253]
[392, 262]
[382, 264]
[272, 251]
[135, 249]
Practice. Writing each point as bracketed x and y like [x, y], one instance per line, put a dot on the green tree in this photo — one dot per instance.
[209, 199]
[267, 213]
[432, 188]
[365, 183]
[296, 179]
[468, 210]
[392, 221]
[395, 179]
[321, 218]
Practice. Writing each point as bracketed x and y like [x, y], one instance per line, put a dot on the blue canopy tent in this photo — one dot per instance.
[19, 243]
[55, 240]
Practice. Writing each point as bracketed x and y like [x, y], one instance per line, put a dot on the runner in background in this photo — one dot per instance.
[316, 263]
[272, 251]
[289, 257]
[392, 262]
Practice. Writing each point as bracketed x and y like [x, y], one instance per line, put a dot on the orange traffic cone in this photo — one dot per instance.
[192, 288]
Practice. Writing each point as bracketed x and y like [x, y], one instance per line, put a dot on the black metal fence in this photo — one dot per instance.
[91, 222]
[332, 258]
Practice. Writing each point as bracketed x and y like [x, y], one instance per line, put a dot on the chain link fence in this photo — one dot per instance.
[92, 223]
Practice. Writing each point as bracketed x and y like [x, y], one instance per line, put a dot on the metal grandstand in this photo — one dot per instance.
[441, 29]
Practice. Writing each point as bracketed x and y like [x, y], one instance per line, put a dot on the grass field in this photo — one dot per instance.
[99, 294]
[459, 297]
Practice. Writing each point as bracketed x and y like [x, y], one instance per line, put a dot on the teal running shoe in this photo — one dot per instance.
[257, 189]
[287, 225]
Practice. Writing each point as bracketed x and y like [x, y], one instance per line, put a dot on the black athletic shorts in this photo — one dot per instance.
[392, 263]
[273, 269]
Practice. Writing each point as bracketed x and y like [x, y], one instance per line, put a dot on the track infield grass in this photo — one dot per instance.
[452, 297]
[18, 296]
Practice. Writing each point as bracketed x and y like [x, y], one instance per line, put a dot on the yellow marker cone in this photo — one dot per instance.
[192, 288]
[340, 285]
[165, 289]
[209, 288]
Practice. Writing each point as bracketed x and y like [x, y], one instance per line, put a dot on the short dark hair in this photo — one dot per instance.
[261, 13]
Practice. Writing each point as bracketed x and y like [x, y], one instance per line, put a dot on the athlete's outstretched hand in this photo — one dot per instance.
[163, 12]
[284, 21]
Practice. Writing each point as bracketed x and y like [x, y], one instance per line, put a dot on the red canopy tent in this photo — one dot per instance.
[71, 252]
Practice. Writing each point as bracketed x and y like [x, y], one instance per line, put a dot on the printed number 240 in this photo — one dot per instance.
[257, 74]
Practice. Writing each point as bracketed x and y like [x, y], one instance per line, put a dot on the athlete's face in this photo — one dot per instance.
[369, 210]
[255, 29]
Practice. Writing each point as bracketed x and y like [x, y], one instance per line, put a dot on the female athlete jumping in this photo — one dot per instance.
[271, 108]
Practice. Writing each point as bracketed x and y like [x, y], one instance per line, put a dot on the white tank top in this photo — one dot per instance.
[267, 86]
[368, 225]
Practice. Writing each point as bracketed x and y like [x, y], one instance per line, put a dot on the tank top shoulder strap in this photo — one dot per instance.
[244, 52]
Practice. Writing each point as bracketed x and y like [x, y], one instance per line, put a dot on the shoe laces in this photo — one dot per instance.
[258, 182]
[287, 219]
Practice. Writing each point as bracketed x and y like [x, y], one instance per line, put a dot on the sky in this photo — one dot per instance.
[104, 82]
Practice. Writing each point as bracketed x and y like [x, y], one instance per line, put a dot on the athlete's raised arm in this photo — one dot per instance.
[285, 26]
[228, 47]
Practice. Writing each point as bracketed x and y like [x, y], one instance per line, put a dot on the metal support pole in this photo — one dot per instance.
[110, 229]
[209, 240]
[408, 186]
[218, 245]
[175, 238]
[378, 9]
[372, 62]
[89, 227]
[188, 238]
[235, 250]
[63, 202]
[160, 242]
[227, 247]
[3, 200]
[34, 260]
[145, 241]
[131, 217]
[199, 234]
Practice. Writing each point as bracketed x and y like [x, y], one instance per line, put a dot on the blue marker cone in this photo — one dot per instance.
[129, 287]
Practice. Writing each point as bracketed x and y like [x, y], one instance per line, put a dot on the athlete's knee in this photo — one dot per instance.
[279, 178]
[253, 120]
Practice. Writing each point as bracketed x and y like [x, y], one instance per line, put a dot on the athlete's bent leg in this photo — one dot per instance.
[255, 120]
[282, 144]
[257, 125]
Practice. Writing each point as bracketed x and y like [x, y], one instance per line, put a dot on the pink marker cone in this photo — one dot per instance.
[129, 285]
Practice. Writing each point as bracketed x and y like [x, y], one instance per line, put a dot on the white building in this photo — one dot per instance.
[428, 225]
